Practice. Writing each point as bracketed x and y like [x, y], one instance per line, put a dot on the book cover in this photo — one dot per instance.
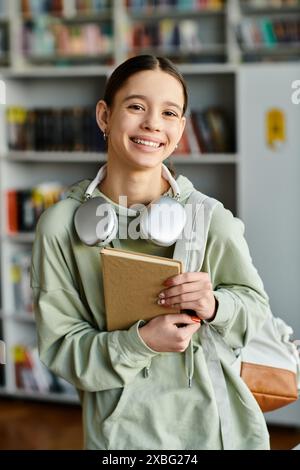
[132, 282]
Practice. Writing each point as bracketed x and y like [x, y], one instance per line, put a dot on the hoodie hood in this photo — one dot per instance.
[77, 190]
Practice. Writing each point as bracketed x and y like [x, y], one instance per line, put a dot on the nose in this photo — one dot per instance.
[152, 122]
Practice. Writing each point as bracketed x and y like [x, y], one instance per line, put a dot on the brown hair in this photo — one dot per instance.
[138, 64]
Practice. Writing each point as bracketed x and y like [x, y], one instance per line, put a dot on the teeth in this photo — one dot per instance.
[146, 142]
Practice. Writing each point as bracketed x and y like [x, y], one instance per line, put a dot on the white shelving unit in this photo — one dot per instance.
[269, 192]
[221, 175]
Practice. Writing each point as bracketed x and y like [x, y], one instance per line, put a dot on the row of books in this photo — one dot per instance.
[24, 206]
[3, 40]
[20, 264]
[270, 3]
[207, 131]
[48, 37]
[213, 130]
[181, 35]
[149, 6]
[268, 32]
[61, 7]
[76, 130]
[32, 7]
[65, 129]
[32, 376]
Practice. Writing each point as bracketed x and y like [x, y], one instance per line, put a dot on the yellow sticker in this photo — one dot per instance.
[275, 128]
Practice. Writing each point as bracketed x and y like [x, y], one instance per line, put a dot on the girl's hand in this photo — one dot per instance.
[162, 333]
[191, 291]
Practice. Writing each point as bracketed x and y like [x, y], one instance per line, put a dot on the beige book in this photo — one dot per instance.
[132, 282]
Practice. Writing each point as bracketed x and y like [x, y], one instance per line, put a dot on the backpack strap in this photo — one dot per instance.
[190, 250]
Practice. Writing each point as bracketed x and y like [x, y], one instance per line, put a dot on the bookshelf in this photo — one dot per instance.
[269, 30]
[61, 81]
[37, 83]
[186, 34]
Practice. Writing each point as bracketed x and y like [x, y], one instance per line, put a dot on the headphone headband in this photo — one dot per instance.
[102, 173]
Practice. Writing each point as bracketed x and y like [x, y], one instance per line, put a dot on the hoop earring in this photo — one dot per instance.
[176, 146]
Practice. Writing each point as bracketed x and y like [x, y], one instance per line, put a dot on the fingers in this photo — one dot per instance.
[186, 277]
[176, 318]
[184, 288]
[180, 299]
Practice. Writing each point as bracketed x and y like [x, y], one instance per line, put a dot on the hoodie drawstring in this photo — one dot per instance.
[147, 371]
[189, 363]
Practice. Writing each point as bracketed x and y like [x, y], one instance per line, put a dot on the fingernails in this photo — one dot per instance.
[161, 301]
[196, 319]
[161, 295]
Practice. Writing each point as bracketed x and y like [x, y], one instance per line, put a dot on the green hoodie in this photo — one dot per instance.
[132, 396]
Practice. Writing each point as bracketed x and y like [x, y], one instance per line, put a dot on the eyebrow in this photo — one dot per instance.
[143, 97]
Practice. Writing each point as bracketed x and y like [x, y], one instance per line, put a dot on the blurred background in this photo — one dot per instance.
[241, 61]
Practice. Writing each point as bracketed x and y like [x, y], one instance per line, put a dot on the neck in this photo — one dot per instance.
[139, 186]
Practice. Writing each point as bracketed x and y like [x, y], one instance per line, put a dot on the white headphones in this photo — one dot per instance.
[161, 222]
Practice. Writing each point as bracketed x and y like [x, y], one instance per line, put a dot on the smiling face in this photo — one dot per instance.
[145, 121]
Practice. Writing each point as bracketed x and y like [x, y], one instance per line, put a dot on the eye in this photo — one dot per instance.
[136, 107]
[170, 114]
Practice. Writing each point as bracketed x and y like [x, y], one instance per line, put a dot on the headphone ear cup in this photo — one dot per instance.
[162, 221]
[96, 222]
